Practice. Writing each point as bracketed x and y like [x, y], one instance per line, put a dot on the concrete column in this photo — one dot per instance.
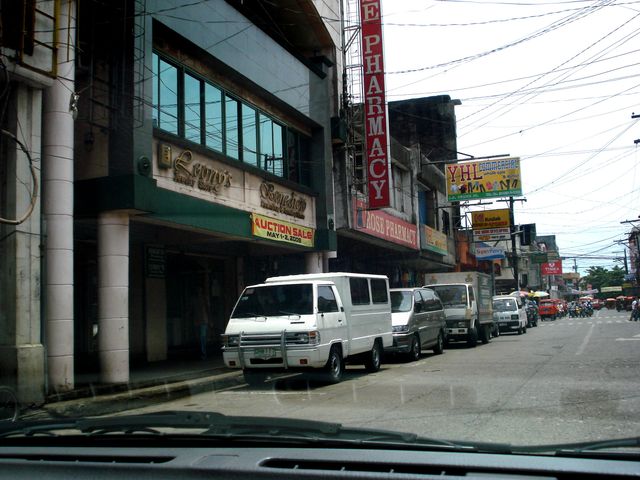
[314, 262]
[113, 296]
[57, 164]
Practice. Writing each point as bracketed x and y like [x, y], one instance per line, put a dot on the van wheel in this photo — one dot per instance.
[335, 366]
[372, 363]
[472, 338]
[438, 348]
[416, 349]
[253, 378]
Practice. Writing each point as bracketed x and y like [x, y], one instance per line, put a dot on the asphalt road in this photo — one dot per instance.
[566, 380]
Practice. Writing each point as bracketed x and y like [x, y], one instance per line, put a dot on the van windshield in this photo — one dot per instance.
[401, 301]
[504, 305]
[451, 295]
[275, 300]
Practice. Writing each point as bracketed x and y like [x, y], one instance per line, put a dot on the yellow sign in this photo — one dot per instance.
[483, 179]
[490, 219]
[280, 231]
[435, 241]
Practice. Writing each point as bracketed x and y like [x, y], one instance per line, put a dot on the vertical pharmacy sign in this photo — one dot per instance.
[375, 116]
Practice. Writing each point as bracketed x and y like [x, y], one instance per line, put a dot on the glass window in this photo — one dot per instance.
[359, 291]
[266, 142]
[400, 301]
[168, 98]
[326, 299]
[417, 298]
[231, 123]
[192, 109]
[249, 136]
[213, 117]
[274, 300]
[154, 114]
[278, 150]
[379, 290]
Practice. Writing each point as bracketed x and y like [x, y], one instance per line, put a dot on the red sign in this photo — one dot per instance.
[383, 225]
[375, 107]
[551, 268]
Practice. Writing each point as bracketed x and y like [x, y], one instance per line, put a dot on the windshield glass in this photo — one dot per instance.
[401, 301]
[452, 295]
[205, 204]
[275, 300]
[504, 305]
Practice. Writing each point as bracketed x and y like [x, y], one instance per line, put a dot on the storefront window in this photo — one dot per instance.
[213, 117]
[266, 142]
[168, 97]
[249, 136]
[192, 110]
[231, 123]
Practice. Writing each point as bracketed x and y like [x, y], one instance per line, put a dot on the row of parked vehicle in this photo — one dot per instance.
[319, 322]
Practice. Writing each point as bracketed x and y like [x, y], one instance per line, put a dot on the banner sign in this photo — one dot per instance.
[551, 268]
[375, 109]
[280, 231]
[611, 289]
[487, 252]
[383, 225]
[539, 258]
[483, 179]
[492, 234]
[486, 219]
[435, 241]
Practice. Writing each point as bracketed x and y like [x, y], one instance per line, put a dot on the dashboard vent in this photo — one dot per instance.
[86, 458]
[397, 468]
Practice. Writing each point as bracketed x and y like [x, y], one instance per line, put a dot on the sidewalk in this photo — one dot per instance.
[154, 382]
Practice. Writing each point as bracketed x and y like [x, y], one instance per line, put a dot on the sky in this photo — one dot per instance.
[554, 82]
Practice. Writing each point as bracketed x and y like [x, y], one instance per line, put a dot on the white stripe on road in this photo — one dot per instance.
[585, 341]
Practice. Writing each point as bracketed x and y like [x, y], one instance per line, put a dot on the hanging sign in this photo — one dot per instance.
[482, 220]
[483, 179]
[375, 107]
[280, 231]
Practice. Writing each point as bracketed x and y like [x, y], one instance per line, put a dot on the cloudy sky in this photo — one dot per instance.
[552, 82]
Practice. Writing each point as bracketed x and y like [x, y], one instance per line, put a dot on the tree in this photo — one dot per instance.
[599, 277]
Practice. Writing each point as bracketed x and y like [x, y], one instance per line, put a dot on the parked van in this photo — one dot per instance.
[309, 322]
[509, 314]
[418, 322]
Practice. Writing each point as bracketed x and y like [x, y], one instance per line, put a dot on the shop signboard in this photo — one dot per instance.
[539, 258]
[551, 268]
[375, 112]
[434, 240]
[487, 252]
[383, 225]
[483, 179]
[281, 231]
[485, 219]
[491, 234]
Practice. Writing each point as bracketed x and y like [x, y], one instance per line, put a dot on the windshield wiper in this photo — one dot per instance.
[568, 449]
[217, 425]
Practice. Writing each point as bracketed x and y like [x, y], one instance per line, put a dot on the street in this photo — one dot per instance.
[568, 380]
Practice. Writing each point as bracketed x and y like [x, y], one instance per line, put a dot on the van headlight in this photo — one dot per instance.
[400, 328]
[304, 338]
[230, 341]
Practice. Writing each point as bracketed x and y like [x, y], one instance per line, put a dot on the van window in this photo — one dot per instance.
[471, 295]
[326, 299]
[452, 295]
[400, 301]
[379, 290]
[504, 305]
[417, 299]
[359, 291]
[432, 302]
[275, 300]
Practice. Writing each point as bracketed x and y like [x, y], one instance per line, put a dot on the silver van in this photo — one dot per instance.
[418, 320]
[509, 314]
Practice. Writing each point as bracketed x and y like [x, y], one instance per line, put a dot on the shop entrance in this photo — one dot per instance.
[195, 296]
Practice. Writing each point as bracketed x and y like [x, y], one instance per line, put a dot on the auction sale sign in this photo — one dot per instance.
[483, 179]
[280, 231]
[375, 114]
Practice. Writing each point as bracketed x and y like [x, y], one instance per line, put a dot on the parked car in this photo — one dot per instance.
[418, 320]
[509, 313]
[547, 309]
[309, 322]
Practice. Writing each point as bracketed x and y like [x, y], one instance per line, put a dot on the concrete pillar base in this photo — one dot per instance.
[22, 370]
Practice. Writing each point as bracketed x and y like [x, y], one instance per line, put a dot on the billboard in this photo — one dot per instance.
[551, 268]
[487, 252]
[483, 179]
[375, 107]
[486, 219]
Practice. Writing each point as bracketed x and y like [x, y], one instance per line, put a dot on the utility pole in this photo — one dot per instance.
[513, 232]
[633, 115]
[575, 265]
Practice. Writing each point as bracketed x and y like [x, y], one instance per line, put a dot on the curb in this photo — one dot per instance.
[136, 396]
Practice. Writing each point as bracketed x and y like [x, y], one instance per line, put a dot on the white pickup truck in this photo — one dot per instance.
[309, 322]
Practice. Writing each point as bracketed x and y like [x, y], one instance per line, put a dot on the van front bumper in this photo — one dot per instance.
[510, 325]
[401, 343]
[273, 358]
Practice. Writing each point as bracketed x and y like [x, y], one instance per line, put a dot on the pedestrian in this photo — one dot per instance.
[635, 310]
[200, 313]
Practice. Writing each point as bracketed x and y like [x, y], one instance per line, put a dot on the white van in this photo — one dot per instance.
[509, 314]
[310, 321]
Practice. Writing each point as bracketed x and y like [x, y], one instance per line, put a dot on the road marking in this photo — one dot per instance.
[585, 341]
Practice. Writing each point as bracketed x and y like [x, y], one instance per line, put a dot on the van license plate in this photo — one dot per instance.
[265, 353]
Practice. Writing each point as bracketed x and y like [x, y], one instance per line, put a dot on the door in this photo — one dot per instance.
[420, 317]
[433, 320]
[331, 318]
